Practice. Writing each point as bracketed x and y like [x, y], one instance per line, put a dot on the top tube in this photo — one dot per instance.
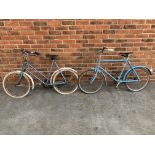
[115, 60]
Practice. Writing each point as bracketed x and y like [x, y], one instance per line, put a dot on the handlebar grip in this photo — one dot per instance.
[111, 50]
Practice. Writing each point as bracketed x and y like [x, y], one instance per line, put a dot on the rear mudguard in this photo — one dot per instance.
[32, 81]
[101, 73]
[134, 67]
[62, 69]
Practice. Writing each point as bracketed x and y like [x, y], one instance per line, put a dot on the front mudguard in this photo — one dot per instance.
[100, 71]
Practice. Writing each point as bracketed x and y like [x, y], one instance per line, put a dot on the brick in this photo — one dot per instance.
[25, 24]
[143, 26]
[61, 28]
[62, 46]
[40, 23]
[102, 27]
[56, 50]
[21, 37]
[96, 22]
[82, 22]
[116, 26]
[48, 37]
[43, 28]
[144, 48]
[138, 21]
[14, 32]
[88, 45]
[129, 26]
[11, 23]
[62, 37]
[41, 32]
[37, 46]
[1, 24]
[69, 41]
[68, 22]
[74, 27]
[88, 36]
[68, 32]
[110, 21]
[149, 31]
[27, 32]
[108, 31]
[152, 26]
[56, 41]
[82, 41]
[54, 32]
[121, 40]
[42, 41]
[127, 44]
[124, 21]
[28, 42]
[150, 21]
[147, 40]
[35, 37]
[108, 40]
[120, 49]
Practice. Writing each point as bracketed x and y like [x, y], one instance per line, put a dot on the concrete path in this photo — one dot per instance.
[110, 111]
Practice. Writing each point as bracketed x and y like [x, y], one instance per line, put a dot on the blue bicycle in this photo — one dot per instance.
[135, 78]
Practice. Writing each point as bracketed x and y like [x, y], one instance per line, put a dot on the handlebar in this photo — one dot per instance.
[105, 49]
[31, 53]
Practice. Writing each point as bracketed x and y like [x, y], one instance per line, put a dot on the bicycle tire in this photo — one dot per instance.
[71, 74]
[7, 83]
[144, 75]
[83, 86]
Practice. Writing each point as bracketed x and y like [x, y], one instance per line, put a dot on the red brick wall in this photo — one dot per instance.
[76, 42]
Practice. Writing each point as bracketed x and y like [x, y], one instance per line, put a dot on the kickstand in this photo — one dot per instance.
[117, 85]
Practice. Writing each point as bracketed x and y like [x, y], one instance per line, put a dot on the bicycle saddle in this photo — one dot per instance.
[125, 54]
[52, 56]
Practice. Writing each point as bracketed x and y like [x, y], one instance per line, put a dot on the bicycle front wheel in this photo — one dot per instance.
[16, 84]
[138, 83]
[65, 81]
[90, 82]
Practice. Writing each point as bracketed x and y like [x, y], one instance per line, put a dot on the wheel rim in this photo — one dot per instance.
[65, 82]
[89, 82]
[141, 83]
[14, 87]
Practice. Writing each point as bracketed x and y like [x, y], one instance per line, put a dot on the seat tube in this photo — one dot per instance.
[133, 70]
[51, 67]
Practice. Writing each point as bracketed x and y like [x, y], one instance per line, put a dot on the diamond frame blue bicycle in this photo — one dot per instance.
[135, 78]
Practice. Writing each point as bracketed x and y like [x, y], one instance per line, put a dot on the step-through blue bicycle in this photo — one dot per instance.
[135, 78]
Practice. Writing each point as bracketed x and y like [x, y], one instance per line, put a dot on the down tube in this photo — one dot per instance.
[107, 73]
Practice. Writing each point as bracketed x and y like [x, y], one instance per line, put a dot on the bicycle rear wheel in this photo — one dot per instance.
[90, 82]
[16, 84]
[139, 84]
[65, 81]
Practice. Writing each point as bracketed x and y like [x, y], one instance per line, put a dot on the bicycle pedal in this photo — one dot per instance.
[117, 85]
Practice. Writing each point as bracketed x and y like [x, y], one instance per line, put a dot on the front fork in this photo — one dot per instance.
[96, 69]
[20, 76]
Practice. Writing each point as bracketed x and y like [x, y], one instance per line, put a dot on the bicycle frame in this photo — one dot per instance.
[118, 79]
[25, 69]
